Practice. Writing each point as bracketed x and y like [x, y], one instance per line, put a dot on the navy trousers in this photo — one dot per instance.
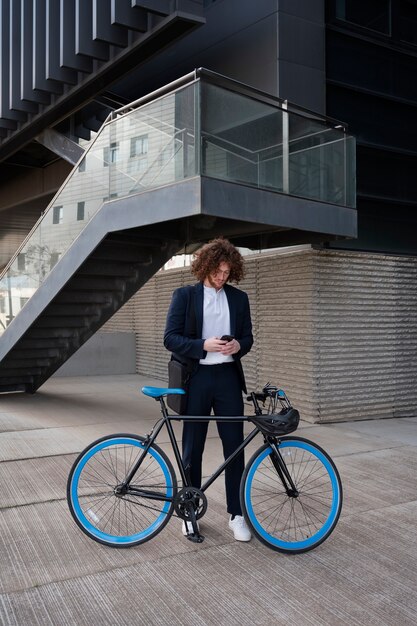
[217, 388]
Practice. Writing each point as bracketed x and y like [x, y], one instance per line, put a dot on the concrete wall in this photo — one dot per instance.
[337, 330]
[365, 320]
[104, 354]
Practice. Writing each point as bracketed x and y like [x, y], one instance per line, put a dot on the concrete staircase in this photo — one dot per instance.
[115, 270]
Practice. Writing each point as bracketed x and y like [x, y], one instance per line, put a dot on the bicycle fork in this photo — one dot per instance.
[282, 470]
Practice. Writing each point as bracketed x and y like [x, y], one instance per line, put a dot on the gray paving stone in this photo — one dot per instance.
[51, 573]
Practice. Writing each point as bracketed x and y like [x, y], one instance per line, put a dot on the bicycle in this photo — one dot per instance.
[122, 489]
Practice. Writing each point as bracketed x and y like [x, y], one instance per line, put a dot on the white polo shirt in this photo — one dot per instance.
[216, 322]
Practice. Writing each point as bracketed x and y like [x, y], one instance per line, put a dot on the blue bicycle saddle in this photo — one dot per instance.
[157, 392]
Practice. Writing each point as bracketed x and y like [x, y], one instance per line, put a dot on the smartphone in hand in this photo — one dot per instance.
[226, 338]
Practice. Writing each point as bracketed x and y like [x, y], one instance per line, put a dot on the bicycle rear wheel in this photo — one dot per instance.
[104, 514]
[292, 523]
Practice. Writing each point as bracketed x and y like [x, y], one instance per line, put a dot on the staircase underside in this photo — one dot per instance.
[125, 244]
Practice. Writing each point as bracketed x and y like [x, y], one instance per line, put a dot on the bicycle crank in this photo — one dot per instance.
[190, 504]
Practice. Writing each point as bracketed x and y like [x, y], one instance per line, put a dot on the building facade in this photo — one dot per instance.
[341, 311]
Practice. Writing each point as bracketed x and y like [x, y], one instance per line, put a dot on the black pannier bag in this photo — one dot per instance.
[178, 378]
[179, 373]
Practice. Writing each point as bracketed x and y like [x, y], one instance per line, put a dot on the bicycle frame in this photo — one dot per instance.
[123, 489]
[168, 418]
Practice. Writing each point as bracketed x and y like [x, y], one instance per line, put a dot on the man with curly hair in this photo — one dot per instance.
[198, 317]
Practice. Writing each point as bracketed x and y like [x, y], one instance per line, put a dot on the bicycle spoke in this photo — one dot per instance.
[287, 519]
[108, 514]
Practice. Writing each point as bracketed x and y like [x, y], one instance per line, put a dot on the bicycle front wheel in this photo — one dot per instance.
[99, 508]
[292, 522]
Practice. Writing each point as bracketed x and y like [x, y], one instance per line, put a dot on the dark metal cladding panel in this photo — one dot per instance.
[39, 80]
[195, 7]
[15, 101]
[67, 55]
[103, 27]
[27, 92]
[54, 70]
[6, 116]
[160, 7]
[123, 14]
[84, 42]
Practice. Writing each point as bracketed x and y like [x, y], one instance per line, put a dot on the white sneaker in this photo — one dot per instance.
[240, 528]
[187, 526]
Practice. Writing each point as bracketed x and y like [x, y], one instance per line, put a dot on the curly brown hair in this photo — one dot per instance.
[208, 258]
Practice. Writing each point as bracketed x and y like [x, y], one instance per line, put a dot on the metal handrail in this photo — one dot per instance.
[154, 95]
[219, 140]
[232, 85]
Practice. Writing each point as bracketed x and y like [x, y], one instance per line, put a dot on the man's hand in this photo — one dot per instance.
[230, 347]
[213, 344]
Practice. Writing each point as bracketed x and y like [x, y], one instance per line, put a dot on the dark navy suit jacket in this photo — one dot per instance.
[183, 332]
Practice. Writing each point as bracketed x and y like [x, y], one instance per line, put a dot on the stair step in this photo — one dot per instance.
[5, 381]
[12, 387]
[121, 252]
[106, 267]
[33, 362]
[45, 343]
[133, 240]
[20, 371]
[50, 321]
[70, 309]
[52, 333]
[30, 353]
[9, 388]
[86, 297]
[93, 283]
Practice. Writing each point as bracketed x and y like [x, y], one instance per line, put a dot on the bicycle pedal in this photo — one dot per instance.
[195, 538]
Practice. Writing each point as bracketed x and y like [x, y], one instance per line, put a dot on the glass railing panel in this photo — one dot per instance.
[318, 160]
[146, 148]
[65, 218]
[241, 138]
[153, 145]
[271, 168]
[246, 140]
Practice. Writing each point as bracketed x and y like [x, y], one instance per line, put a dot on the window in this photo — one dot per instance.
[23, 302]
[138, 155]
[80, 211]
[373, 14]
[58, 214]
[111, 154]
[139, 146]
[54, 259]
[21, 261]
[408, 21]
[2, 304]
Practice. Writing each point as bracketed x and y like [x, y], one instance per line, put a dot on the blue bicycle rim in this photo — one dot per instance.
[123, 540]
[318, 536]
